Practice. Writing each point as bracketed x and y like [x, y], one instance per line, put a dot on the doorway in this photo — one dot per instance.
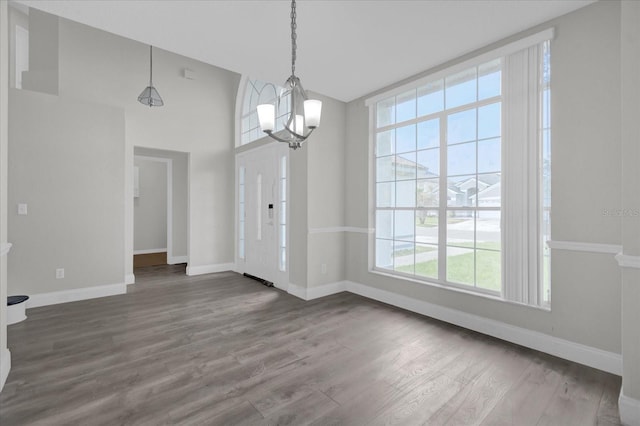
[160, 207]
[262, 221]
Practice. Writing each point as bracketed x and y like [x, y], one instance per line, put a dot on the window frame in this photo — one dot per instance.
[499, 53]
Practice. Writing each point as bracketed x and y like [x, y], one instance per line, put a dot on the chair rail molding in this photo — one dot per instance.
[628, 261]
[586, 247]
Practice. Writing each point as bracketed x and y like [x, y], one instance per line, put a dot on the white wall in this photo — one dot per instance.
[5, 356]
[150, 207]
[197, 118]
[67, 166]
[586, 287]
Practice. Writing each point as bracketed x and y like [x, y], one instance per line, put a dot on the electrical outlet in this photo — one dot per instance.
[323, 268]
[22, 209]
[59, 273]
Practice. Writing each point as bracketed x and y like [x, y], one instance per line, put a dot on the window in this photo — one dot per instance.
[257, 92]
[282, 219]
[445, 160]
[241, 215]
[22, 54]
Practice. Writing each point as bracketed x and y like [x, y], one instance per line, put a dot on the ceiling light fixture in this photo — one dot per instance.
[150, 95]
[304, 113]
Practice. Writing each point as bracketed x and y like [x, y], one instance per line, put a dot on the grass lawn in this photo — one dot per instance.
[408, 252]
[460, 269]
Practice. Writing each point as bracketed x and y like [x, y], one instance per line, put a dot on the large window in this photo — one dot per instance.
[446, 161]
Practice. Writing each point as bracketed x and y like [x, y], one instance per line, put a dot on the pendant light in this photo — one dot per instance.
[150, 95]
[304, 113]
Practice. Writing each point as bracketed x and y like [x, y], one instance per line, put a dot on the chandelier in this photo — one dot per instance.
[303, 113]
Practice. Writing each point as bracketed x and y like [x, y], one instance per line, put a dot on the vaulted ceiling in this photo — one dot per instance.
[346, 48]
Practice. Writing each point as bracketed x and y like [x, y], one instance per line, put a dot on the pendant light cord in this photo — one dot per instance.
[294, 36]
[150, 65]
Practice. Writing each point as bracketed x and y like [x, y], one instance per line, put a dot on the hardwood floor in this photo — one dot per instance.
[222, 349]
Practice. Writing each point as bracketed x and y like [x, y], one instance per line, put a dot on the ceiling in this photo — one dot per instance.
[346, 49]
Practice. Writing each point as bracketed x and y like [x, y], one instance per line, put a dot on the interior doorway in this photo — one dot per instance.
[160, 207]
[262, 221]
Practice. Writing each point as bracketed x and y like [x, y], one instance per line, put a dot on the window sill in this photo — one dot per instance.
[453, 288]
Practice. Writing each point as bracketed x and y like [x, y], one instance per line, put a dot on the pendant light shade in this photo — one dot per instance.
[302, 114]
[150, 95]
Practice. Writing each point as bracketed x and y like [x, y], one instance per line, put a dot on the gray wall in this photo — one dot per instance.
[586, 287]
[67, 165]
[631, 196]
[150, 207]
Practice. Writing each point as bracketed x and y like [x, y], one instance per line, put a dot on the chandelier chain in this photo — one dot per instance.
[294, 36]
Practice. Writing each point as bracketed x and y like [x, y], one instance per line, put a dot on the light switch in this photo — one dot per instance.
[22, 209]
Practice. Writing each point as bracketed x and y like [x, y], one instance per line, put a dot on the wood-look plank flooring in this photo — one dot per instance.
[222, 349]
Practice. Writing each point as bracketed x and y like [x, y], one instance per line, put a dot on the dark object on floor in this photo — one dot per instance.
[14, 300]
[260, 280]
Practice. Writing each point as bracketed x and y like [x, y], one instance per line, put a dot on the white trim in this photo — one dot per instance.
[317, 291]
[5, 366]
[177, 259]
[150, 251]
[129, 279]
[341, 229]
[505, 50]
[586, 247]
[629, 409]
[5, 249]
[73, 295]
[210, 269]
[592, 357]
[628, 261]
[297, 291]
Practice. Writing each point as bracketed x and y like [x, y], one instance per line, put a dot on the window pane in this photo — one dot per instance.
[241, 249]
[386, 194]
[426, 261]
[430, 98]
[386, 112]
[427, 226]
[461, 228]
[283, 189]
[403, 227]
[461, 88]
[384, 254]
[283, 213]
[489, 121]
[489, 156]
[461, 159]
[429, 134]
[283, 235]
[461, 127]
[406, 166]
[406, 106]
[241, 193]
[488, 235]
[406, 138]
[385, 169]
[283, 259]
[406, 193]
[461, 191]
[488, 270]
[384, 224]
[427, 192]
[385, 143]
[403, 256]
[489, 79]
[460, 265]
[429, 163]
[489, 190]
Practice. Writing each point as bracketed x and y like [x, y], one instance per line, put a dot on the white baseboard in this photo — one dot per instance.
[5, 366]
[129, 279]
[150, 251]
[582, 354]
[210, 269]
[73, 295]
[174, 260]
[629, 409]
